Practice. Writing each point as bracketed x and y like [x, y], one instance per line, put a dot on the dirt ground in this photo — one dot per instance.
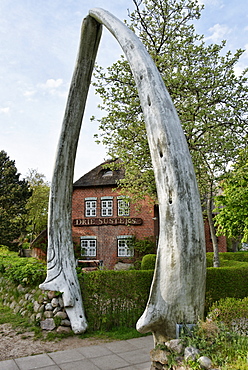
[14, 344]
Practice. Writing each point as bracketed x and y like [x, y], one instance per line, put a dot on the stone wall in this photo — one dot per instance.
[44, 308]
[173, 355]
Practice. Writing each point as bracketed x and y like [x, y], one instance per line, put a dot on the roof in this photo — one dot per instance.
[100, 176]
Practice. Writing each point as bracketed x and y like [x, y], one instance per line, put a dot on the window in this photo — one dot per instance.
[107, 173]
[125, 246]
[90, 207]
[88, 246]
[107, 206]
[123, 207]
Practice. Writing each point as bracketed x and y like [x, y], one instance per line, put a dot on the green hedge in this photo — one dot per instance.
[118, 298]
[225, 282]
[114, 298]
[148, 262]
[227, 256]
[20, 270]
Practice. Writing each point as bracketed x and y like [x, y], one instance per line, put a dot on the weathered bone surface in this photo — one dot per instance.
[61, 274]
[178, 289]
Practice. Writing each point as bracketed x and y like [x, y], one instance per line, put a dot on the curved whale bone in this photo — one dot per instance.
[61, 265]
[178, 289]
[177, 293]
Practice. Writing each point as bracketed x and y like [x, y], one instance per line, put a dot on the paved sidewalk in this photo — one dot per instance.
[128, 354]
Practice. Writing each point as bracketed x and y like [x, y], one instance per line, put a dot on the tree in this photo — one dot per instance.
[37, 204]
[232, 204]
[210, 99]
[14, 194]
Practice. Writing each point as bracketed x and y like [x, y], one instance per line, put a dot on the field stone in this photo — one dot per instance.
[55, 302]
[47, 324]
[61, 314]
[175, 345]
[56, 310]
[20, 288]
[205, 362]
[17, 309]
[65, 322]
[12, 305]
[48, 314]
[63, 329]
[191, 353]
[158, 355]
[36, 306]
[51, 294]
[48, 307]
[38, 317]
[61, 302]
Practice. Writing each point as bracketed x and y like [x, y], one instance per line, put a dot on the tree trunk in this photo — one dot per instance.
[216, 260]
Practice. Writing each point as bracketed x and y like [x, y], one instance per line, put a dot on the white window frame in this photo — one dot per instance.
[90, 207]
[106, 206]
[123, 206]
[88, 243]
[124, 246]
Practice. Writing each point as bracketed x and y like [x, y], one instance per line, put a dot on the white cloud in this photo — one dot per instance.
[29, 93]
[242, 63]
[4, 110]
[219, 32]
[52, 84]
[218, 3]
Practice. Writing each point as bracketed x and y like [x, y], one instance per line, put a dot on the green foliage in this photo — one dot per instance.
[228, 259]
[37, 205]
[114, 298]
[232, 204]
[19, 270]
[228, 310]
[226, 349]
[16, 320]
[14, 194]
[148, 262]
[210, 99]
[225, 282]
[144, 246]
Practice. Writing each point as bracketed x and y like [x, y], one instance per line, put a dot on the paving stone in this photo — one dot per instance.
[69, 355]
[94, 351]
[119, 346]
[32, 362]
[110, 362]
[135, 357]
[8, 365]
[79, 365]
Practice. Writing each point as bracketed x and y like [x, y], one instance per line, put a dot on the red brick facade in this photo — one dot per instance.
[105, 231]
[209, 245]
[141, 223]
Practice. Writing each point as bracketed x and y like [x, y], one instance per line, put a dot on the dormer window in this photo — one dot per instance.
[107, 173]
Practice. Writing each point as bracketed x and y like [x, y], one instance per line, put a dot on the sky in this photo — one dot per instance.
[38, 47]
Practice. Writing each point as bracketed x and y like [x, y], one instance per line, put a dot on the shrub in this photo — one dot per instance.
[228, 309]
[227, 256]
[232, 312]
[114, 298]
[21, 270]
[225, 282]
[148, 262]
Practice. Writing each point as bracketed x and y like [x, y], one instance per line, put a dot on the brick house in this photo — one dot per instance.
[104, 223]
[222, 244]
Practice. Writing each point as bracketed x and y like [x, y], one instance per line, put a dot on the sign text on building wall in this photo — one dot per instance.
[107, 221]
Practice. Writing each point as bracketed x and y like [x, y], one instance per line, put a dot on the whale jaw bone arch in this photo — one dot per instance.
[177, 292]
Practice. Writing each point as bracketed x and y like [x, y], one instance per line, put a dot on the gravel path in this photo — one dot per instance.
[14, 344]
